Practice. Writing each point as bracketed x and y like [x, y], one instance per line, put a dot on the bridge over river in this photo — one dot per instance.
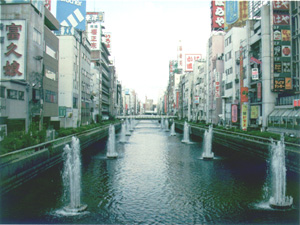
[146, 117]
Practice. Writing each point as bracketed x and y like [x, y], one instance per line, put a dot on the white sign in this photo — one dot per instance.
[13, 49]
[254, 74]
[189, 61]
[94, 35]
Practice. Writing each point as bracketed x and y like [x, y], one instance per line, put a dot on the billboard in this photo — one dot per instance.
[71, 13]
[236, 14]
[189, 61]
[13, 49]
[281, 46]
[180, 56]
[254, 111]
[217, 15]
[94, 17]
[94, 35]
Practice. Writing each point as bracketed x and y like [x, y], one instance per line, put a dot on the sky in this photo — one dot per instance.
[145, 35]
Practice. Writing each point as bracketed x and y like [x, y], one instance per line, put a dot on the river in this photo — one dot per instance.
[155, 180]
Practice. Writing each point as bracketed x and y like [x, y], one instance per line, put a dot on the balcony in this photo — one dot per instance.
[256, 37]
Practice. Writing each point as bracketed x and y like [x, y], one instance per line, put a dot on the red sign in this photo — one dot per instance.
[189, 61]
[281, 19]
[48, 4]
[259, 91]
[234, 113]
[296, 102]
[218, 92]
[244, 94]
[217, 15]
[166, 104]
[281, 5]
[252, 59]
[177, 99]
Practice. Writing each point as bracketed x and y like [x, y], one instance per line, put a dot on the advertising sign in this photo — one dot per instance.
[94, 35]
[279, 83]
[94, 17]
[254, 112]
[254, 73]
[126, 91]
[177, 99]
[234, 113]
[254, 60]
[166, 109]
[258, 91]
[48, 4]
[71, 13]
[107, 41]
[196, 100]
[217, 15]
[13, 49]
[288, 83]
[189, 61]
[244, 117]
[236, 14]
[244, 94]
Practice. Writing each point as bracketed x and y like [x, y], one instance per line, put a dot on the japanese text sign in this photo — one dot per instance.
[13, 49]
[94, 35]
[94, 17]
[244, 117]
[234, 113]
[217, 15]
[189, 61]
[107, 41]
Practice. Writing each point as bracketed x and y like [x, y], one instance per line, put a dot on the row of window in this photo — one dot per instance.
[228, 56]
[228, 86]
[229, 71]
[227, 41]
[12, 94]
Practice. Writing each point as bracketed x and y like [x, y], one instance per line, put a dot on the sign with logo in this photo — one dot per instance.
[13, 49]
[189, 61]
[244, 94]
[259, 91]
[196, 100]
[217, 15]
[94, 17]
[244, 117]
[288, 83]
[234, 113]
[236, 14]
[71, 13]
[254, 73]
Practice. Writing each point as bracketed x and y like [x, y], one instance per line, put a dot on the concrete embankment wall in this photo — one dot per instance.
[20, 166]
[242, 144]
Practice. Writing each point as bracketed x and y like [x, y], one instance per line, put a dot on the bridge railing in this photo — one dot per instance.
[155, 117]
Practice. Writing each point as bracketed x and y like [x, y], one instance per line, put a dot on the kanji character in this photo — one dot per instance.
[13, 31]
[11, 49]
[219, 11]
[220, 21]
[12, 69]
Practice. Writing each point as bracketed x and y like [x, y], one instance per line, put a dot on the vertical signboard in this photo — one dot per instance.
[13, 49]
[177, 99]
[166, 108]
[94, 35]
[48, 4]
[234, 113]
[254, 112]
[244, 116]
[107, 41]
[258, 91]
[180, 56]
[189, 61]
[217, 15]
[71, 13]
[281, 47]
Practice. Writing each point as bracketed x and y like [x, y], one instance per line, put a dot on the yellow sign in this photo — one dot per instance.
[244, 117]
[288, 83]
[254, 112]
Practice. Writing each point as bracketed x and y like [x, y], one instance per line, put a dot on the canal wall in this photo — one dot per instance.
[20, 166]
[233, 143]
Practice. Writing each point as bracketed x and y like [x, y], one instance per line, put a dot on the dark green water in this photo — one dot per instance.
[156, 180]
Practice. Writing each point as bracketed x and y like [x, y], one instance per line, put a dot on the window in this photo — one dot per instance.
[2, 92]
[75, 103]
[37, 37]
[50, 74]
[21, 95]
[50, 96]
[228, 85]
[12, 94]
[51, 52]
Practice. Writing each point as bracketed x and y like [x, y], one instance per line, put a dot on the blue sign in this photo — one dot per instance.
[71, 13]
[231, 11]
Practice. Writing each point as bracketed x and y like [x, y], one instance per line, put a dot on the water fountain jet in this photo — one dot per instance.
[207, 144]
[123, 133]
[279, 200]
[111, 145]
[186, 133]
[72, 177]
[167, 125]
[173, 133]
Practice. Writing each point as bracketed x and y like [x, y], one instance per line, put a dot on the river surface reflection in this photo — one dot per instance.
[155, 180]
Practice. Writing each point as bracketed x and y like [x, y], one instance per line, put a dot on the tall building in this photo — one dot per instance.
[29, 66]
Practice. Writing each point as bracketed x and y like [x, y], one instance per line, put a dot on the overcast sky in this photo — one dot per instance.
[145, 35]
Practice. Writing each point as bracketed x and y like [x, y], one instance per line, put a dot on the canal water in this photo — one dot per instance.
[156, 180]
